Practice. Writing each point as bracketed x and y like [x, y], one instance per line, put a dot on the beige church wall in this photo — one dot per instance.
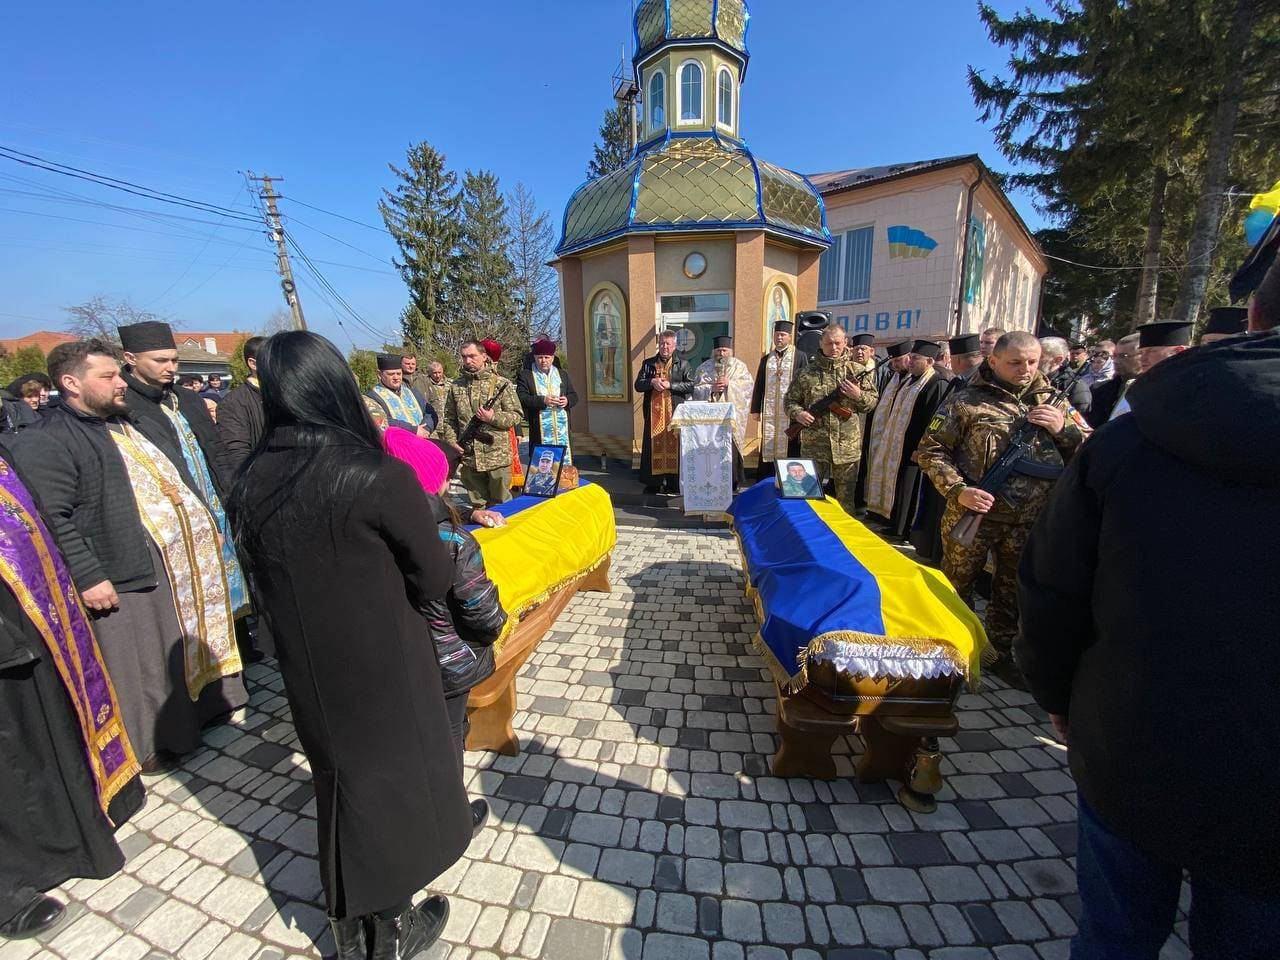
[574, 346]
[1012, 271]
[642, 303]
[911, 295]
[670, 255]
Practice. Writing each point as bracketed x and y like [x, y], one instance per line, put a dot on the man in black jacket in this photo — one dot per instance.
[1105, 395]
[547, 395]
[240, 417]
[1150, 640]
[151, 366]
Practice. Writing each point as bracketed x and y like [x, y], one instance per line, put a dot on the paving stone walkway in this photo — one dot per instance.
[639, 823]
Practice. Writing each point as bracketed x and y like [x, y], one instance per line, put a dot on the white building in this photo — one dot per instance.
[929, 249]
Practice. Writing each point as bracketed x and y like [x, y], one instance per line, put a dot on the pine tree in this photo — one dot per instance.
[421, 215]
[482, 275]
[1105, 110]
[614, 149]
[537, 295]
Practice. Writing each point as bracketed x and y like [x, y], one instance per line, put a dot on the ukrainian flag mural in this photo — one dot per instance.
[908, 242]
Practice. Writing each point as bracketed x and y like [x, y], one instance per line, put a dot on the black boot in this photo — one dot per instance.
[35, 918]
[406, 936]
[479, 814]
[349, 938]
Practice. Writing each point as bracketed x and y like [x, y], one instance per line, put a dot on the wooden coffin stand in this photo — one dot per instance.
[492, 704]
[899, 722]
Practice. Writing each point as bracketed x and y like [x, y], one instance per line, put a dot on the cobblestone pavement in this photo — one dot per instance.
[639, 823]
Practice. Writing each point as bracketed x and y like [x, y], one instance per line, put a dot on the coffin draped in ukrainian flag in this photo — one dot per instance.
[545, 546]
[825, 587]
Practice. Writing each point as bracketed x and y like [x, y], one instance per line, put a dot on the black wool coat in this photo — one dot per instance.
[1103, 399]
[154, 424]
[343, 598]
[1149, 605]
[241, 422]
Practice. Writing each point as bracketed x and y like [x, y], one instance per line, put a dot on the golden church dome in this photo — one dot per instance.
[723, 22]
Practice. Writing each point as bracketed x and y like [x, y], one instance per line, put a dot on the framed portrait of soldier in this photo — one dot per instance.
[798, 479]
[542, 479]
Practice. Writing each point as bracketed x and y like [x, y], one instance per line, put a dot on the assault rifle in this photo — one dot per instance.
[475, 429]
[1016, 458]
[833, 402]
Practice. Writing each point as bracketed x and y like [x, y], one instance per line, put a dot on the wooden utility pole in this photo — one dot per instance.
[272, 214]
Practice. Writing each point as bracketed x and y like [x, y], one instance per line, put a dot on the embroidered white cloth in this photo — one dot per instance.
[706, 454]
[888, 660]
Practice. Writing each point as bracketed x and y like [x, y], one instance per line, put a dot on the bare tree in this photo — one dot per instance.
[278, 321]
[99, 317]
[532, 246]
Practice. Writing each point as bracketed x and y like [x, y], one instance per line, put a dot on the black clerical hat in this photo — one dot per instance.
[1228, 320]
[389, 361]
[1164, 333]
[862, 340]
[148, 335]
[900, 349]
[965, 343]
[927, 348]
[724, 341]
[783, 326]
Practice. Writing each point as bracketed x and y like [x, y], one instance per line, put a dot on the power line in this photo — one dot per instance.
[372, 256]
[199, 253]
[31, 160]
[115, 207]
[320, 278]
[358, 223]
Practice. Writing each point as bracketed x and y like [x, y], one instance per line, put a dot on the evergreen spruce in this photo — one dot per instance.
[421, 215]
[614, 149]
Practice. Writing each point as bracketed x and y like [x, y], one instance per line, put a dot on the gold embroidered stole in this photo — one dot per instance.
[887, 438]
[664, 451]
[778, 373]
[186, 536]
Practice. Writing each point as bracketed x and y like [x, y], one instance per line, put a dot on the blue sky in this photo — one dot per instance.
[180, 97]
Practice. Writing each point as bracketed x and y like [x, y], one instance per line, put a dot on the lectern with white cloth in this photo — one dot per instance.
[706, 454]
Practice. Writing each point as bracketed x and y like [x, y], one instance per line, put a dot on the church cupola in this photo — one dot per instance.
[691, 57]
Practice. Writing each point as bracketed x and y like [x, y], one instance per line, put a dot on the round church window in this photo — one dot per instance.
[695, 265]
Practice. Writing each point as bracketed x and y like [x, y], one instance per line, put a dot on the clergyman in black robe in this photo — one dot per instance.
[53, 826]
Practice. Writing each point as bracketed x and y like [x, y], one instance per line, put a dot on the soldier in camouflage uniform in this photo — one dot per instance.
[486, 467]
[965, 438]
[833, 444]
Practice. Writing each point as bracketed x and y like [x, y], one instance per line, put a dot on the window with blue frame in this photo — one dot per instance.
[844, 272]
[658, 100]
[857, 263]
[829, 272]
[691, 92]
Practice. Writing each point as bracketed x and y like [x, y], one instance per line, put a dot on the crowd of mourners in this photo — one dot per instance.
[158, 533]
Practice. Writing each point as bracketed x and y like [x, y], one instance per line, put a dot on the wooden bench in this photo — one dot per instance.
[899, 722]
[492, 704]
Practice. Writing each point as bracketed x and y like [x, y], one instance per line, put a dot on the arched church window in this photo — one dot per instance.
[724, 99]
[658, 99]
[691, 92]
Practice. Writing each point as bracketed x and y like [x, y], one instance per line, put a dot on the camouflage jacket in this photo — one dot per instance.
[968, 434]
[830, 439]
[465, 396]
[434, 392]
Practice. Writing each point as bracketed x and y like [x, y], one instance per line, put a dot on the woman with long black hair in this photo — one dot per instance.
[344, 554]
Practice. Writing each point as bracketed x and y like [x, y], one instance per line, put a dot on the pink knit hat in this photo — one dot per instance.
[427, 459]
